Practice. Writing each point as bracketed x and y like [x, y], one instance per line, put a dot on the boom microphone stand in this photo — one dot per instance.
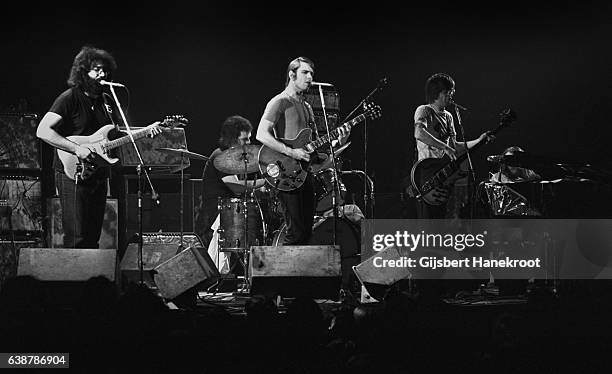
[141, 167]
[472, 175]
[381, 83]
[335, 181]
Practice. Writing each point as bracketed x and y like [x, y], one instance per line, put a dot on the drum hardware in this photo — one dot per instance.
[239, 160]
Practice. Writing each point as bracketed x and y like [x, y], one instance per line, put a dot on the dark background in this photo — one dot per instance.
[550, 64]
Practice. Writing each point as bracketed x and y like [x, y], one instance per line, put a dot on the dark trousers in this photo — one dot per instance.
[426, 211]
[83, 207]
[298, 212]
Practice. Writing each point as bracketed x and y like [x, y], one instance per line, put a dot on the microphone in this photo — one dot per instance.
[105, 83]
[458, 106]
[495, 158]
[321, 84]
[383, 82]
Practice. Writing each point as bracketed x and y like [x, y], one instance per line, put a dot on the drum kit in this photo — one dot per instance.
[255, 218]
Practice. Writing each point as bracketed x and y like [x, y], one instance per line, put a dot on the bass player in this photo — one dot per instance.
[435, 134]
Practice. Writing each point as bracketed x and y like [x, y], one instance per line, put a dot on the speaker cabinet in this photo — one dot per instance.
[153, 254]
[309, 270]
[184, 271]
[151, 155]
[67, 264]
[64, 271]
[19, 146]
[23, 195]
[108, 238]
[9, 255]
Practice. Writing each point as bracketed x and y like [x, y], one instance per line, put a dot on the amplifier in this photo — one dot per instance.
[21, 196]
[19, 146]
[9, 253]
[190, 239]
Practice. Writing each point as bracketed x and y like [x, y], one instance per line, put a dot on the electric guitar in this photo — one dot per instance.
[431, 177]
[80, 170]
[285, 173]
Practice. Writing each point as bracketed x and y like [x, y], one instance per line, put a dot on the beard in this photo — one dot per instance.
[92, 87]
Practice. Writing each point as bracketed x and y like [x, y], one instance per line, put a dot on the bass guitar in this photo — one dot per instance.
[285, 173]
[431, 178]
[101, 146]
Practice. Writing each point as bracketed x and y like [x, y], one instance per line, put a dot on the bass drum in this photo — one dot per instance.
[347, 237]
[232, 224]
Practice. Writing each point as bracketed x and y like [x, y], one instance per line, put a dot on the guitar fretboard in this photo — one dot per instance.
[126, 139]
[321, 141]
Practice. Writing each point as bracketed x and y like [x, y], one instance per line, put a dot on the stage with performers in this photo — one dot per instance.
[209, 189]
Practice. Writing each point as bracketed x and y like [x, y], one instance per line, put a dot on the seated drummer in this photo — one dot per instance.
[513, 174]
[235, 132]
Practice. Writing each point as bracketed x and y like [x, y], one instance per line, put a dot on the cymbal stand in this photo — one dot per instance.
[139, 169]
[181, 247]
[245, 212]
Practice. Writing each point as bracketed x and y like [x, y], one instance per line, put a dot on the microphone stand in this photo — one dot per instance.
[381, 83]
[141, 167]
[469, 158]
[335, 184]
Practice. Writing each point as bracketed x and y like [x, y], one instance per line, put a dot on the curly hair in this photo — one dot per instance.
[437, 83]
[83, 63]
[231, 129]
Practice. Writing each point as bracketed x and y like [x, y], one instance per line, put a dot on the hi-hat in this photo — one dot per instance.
[183, 152]
[232, 161]
[328, 161]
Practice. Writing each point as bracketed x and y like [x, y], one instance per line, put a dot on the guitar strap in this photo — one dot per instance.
[310, 120]
[109, 109]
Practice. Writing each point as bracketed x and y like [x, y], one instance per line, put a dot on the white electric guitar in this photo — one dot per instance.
[101, 146]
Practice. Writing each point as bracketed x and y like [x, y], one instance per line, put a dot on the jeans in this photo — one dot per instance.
[83, 207]
[298, 212]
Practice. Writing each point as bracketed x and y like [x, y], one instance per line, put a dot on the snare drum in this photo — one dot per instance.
[232, 224]
[323, 186]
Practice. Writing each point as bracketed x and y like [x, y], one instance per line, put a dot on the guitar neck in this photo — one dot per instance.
[321, 141]
[464, 155]
[126, 139]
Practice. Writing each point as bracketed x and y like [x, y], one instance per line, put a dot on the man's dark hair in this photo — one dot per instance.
[437, 83]
[83, 62]
[295, 64]
[231, 128]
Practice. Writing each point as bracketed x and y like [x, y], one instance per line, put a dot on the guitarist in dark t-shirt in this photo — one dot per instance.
[81, 110]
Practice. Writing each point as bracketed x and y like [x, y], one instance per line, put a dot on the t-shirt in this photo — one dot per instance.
[81, 115]
[289, 115]
[213, 186]
[438, 124]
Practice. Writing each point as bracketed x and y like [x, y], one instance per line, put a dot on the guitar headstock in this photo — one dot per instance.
[372, 110]
[507, 117]
[176, 120]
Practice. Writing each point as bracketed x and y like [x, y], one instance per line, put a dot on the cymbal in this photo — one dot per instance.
[231, 160]
[183, 152]
[328, 162]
